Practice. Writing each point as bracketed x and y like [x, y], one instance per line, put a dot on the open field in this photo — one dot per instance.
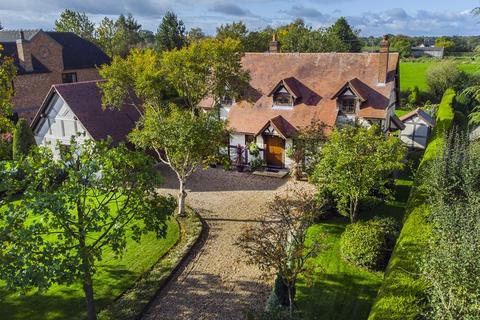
[113, 277]
[343, 291]
[413, 73]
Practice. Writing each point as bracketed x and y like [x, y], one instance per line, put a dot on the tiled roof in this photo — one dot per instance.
[283, 127]
[318, 77]
[85, 100]
[77, 52]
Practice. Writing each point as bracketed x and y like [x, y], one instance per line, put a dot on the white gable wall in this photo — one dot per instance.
[59, 125]
[416, 132]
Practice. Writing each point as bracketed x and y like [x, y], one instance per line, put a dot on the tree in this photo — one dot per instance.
[170, 33]
[183, 141]
[402, 44]
[94, 197]
[445, 43]
[349, 38]
[105, 36]
[195, 34]
[258, 41]
[23, 140]
[450, 265]
[206, 70]
[356, 161]
[127, 35]
[444, 75]
[76, 22]
[234, 30]
[278, 245]
[473, 94]
[7, 73]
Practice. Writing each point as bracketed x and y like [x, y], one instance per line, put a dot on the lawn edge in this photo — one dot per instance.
[134, 302]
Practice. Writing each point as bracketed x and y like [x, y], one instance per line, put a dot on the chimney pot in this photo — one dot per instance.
[383, 60]
[274, 45]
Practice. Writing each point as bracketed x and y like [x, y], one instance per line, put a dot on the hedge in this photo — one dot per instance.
[402, 294]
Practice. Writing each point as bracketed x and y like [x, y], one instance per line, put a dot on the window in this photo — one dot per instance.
[282, 99]
[348, 105]
[69, 77]
[226, 101]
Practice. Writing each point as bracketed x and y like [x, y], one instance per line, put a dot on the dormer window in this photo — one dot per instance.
[282, 98]
[348, 104]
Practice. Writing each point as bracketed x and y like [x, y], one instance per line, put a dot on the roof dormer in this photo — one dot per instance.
[350, 97]
[285, 94]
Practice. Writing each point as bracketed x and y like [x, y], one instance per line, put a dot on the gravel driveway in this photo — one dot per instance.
[216, 283]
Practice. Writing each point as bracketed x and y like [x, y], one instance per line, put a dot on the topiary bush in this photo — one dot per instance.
[23, 139]
[368, 244]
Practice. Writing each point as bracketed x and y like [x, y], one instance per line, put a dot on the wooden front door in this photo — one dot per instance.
[274, 150]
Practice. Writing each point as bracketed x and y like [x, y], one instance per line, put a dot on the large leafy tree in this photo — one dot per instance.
[348, 37]
[195, 34]
[356, 161]
[207, 70]
[7, 73]
[170, 33]
[127, 34]
[105, 36]
[93, 198]
[76, 22]
[402, 44]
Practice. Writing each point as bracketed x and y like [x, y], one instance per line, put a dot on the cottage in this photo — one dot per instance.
[75, 110]
[289, 91]
[418, 126]
[46, 58]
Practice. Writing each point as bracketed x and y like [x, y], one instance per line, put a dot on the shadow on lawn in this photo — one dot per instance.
[64, 302]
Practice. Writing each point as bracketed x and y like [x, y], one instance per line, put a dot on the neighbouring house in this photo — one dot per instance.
[418, 126]
[423, 51]
[75, 110]
[47, 58]
[290, 91]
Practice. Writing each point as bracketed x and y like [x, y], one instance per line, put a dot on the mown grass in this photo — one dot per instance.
[112, 278]
[340, 290]
[414, 73]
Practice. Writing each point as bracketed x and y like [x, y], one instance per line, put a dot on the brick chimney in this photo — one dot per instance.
[383, 61]
[24, 53]
[274, 45]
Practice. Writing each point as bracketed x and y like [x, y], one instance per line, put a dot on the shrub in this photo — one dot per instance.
[444, 75]
[23, 139]
[5, 146]
[368, 244]
[256, 164]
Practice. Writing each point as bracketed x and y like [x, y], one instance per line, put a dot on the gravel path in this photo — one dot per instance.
[216, 283]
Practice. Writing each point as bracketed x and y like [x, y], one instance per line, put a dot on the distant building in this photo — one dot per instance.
[46, 58]
[423, 51]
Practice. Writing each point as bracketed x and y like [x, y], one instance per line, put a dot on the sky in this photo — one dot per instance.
[374, 17]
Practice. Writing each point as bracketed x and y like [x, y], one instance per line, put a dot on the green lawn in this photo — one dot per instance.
[343, 291]
[112, 278]
[413, 73]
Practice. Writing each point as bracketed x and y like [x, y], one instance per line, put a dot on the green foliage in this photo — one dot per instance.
[73, 208]
[195, 34]
[256, 164]
[368, 244]
[23, 140]
[445, 42]
[450, 266]
[76, 22]
[5, 146]
[413, 97]
[170, 33]
[7, 73]
[401, 44]
[356, 161]
[445, 75]
[347, 36]
[403, 291]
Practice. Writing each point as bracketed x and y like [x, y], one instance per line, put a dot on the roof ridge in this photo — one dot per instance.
[78, 83]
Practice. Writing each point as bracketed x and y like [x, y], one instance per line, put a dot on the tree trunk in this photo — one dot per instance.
[291, 298]
[181, 198]
[353, 209]
[87, 275]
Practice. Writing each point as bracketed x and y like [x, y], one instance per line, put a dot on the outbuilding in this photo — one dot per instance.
[418, 126]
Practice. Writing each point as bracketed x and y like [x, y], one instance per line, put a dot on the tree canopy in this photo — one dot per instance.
[354, 162]
[170, 33]
[76, 22]
[7, 73]
[347, 36]
[92, 198]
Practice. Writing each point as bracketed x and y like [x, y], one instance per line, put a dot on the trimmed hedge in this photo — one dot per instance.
[402, 294]
[367, 244]
[23, 139]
